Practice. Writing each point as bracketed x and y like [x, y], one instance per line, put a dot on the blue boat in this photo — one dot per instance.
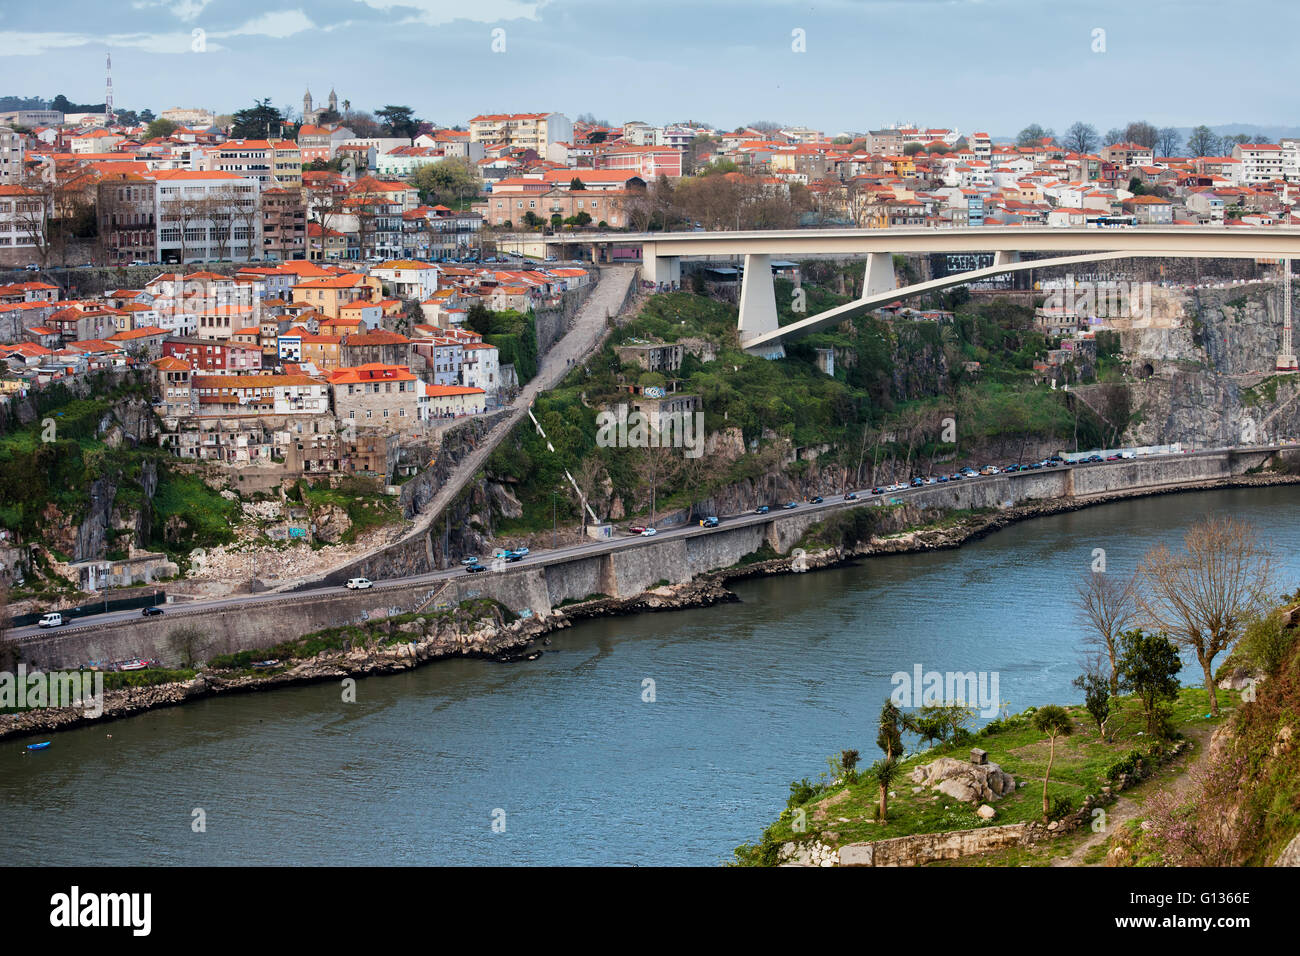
[40, 746]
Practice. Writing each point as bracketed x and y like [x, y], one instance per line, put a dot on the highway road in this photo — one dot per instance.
[543, 557]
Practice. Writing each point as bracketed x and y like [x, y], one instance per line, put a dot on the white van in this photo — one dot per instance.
[358, 584]
[53, 619]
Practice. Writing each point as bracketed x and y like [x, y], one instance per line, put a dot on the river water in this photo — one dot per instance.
[562, 760]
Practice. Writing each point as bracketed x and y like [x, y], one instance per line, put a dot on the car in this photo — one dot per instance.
[917, 482]
[358, 584]
[851, 496]
[762, 510]
[474, 569]
[514, 556]
[790, 505]
[636, 529]
[139, 262]
[53, 619]
[1035, 465]
[469, 561]
[150, 611]
[649, 533]
[709, 522]
[816, 500]
[989, 470]
[877, 491]
[522, 552]
[31, 267]
[1093, 458]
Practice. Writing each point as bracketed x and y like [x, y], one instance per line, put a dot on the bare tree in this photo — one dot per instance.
[1204, 596]
[1109, 604]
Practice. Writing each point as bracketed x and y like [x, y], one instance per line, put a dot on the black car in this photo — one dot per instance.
[514, 556]
[150, 611]
[851, 496]
[816, 501]
[474, 569]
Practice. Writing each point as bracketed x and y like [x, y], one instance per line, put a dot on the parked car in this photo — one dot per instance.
[31, 267]
[53, 619]
[358, 584]
[1112, 457]
[469, 560]
[150, 611]
[648, 533]
[762, 510]
[636, 529]
[709, 522]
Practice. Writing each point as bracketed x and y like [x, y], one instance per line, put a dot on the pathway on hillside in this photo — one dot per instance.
[589, 328]
[1126, 809]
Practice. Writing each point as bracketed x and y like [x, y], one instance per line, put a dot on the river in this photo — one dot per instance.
[562, 760]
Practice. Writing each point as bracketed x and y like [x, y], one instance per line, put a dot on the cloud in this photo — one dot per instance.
[278, 25]
[186, 10]
[439, 12]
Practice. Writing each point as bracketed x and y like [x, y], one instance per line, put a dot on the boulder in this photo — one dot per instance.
[965, 781]
[985, 812]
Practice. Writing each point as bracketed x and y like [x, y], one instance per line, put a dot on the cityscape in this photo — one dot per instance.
[543, 485]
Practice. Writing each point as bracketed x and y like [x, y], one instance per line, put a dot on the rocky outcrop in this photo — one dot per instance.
[965, 781]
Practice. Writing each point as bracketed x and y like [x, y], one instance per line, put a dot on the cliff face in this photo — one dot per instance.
[1210, 377]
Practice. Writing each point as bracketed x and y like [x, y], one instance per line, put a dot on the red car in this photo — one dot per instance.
[635, 529]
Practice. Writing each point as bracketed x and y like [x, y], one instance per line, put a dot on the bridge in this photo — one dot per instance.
[761, 333]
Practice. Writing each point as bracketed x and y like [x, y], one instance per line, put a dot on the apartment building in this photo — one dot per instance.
[534, 131]
[127, 207]
[12, 152]
[284, 224]
[1259, 163]
[272, 162]
[207, 215]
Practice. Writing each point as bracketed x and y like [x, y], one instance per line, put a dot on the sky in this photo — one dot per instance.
[837, 65]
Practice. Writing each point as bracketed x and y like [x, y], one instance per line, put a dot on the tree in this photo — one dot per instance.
[399, 121]
[576, 185]
[1168, 141]
[361, 123]
[446, 182]
[257, 122]
[1203, 142]
[1052, 721]
[1081, 138]
[884, 772]
[1032, 135]
[1112, 137]
[1109, 606]
[1204, 596]
[1149, 666]
[1095, 684]
[893, 722]
[160, 128]
[1142, 133]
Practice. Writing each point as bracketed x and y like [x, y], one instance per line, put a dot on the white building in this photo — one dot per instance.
[204, 216]
[12, 151]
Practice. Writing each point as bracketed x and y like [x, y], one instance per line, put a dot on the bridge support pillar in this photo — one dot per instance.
[660, 269]
[880, 274]
[758, 305]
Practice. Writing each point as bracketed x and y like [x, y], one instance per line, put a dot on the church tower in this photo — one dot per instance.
[307, 116]
[334, 101]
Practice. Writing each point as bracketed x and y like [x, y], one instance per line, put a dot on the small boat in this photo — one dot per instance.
[41, 746]
[136, 665]
[264, 665]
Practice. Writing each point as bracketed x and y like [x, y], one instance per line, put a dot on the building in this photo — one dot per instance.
[376, 394]
[327, 294]
[22, 219]
[12, 152]
[653, 356]
[127, 206]
[407, 278]
[450, 401]
[1259, 162]
[205, 216]
[188, 117]
[533, 131]
[207, 355]
[1149, 210]
[480, 368]
[272, 162]
[284, 224]
[312, 116]
[274, 394]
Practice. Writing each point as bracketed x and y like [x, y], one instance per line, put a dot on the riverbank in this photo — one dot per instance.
[398, 644]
